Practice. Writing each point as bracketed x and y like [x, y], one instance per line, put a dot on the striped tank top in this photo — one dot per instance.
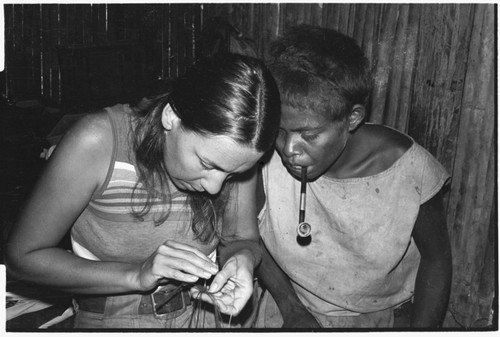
[106, 229]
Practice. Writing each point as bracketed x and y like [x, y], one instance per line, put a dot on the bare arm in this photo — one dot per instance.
[294, 313]
[240, 231]
[239, 250]
[76, 169]
[432, 286]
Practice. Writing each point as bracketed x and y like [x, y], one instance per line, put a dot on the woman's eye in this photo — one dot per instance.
[205, 166]
[310, 137]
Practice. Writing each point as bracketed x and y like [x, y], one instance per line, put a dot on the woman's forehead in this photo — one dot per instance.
[225, 153]
[298, 117]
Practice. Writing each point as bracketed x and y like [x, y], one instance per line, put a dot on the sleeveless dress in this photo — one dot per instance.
[361, 258]
[107, 231]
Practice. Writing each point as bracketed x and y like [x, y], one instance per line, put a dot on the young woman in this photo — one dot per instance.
[378, 232]
[148, 195]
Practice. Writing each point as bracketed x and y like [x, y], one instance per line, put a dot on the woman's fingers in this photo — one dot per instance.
[230, 299]
[177, 260]
[221, 279]
[182, 246]
[174, 260]
[178, 268]
[225, 302]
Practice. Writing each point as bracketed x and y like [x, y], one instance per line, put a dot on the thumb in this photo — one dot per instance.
[219, 280]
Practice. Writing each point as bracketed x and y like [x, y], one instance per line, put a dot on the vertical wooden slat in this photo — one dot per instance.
[273, 11]
[63, 24]
[99, 34]
[368, 41]
[256, 29]
[79, 37]
[472, 190]
[408, 67]
[31, 61]
[287, 14]
[9, 50]
[171, 34]
[334, 16]
[51, 53]
[395, 70]
[350, 22]
[384, 64]
[188, 27]
[484, 313]
[242, 18]
[307, 9]
[45, 38]
[343, 19]
[325, 15]
[359, 16]
[180, 38]
[87, 30]
[316, 14]
[17, 84]
[438, 90]
[69, 23]
[299, 14]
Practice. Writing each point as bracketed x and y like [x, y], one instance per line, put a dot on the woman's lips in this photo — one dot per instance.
[294, 169]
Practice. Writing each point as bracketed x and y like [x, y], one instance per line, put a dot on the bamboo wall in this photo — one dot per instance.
[434, 72]
[434, 69]
[46, 41]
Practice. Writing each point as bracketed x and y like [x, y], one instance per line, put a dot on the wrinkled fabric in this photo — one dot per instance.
[107, 231]
[362, 257]
[122, 312]
[269, 317]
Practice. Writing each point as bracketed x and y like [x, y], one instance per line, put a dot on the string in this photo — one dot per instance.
[198, 316]
[198, 305]
[198, 312]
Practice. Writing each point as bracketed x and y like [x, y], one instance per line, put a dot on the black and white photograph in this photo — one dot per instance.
[248, 167]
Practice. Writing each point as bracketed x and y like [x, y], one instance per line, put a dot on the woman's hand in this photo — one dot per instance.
[232, 287]
[174, 260]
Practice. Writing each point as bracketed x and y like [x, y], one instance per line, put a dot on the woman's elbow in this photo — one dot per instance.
[15, 259]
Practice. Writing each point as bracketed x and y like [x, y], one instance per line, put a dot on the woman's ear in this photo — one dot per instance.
[356, 117]
[168, 117]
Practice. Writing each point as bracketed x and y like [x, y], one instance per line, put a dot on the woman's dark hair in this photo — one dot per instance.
[230, 95]
[320, 69]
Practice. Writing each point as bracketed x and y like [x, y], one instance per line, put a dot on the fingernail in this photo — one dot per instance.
[214, 270]
[213, 286]
[206, 274]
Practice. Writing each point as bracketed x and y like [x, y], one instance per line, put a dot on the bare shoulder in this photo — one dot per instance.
[377, 148]
[86, 148]
[388, 142]
[93, 129]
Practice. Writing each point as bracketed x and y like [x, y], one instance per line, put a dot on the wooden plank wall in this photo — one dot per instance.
[434, 72]
[35, 33]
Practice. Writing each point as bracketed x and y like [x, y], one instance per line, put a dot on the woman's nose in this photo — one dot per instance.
[213, 182]
[291, 146]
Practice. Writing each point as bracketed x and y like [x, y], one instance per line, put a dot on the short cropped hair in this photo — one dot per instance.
[320, 69]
